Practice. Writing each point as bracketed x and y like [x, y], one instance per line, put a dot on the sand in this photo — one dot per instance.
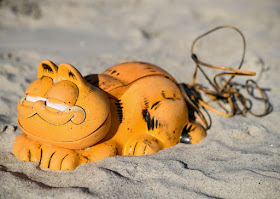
[240, 156]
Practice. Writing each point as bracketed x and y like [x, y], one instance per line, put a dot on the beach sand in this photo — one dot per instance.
[240, 156]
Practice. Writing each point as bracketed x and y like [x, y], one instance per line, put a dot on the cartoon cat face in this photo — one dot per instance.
[60, 108]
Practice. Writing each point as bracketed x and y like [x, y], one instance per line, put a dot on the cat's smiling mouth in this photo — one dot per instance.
[53, 113]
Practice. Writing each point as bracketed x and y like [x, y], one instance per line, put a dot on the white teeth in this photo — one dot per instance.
[35, 99]
[60, 107]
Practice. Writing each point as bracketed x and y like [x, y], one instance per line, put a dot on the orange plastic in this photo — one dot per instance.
[131, 109]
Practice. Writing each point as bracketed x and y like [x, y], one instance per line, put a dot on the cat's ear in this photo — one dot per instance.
[70, 73]
[48, 69]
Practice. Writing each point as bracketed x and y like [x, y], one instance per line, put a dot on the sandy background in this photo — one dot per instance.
[240, 156]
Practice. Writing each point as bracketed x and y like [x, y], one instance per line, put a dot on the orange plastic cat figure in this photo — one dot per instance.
[131, 109]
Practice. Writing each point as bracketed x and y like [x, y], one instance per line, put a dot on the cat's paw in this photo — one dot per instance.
[142, 145]
[56, 158]
[50, 157]
[26, 149]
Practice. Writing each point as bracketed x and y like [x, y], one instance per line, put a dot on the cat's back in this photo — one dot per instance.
[117, 79]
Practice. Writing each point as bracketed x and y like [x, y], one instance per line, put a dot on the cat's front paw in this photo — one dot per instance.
[50, 157]
[26, 149]
[56, 158]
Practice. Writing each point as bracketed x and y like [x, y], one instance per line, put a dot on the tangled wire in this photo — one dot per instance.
[225, 93]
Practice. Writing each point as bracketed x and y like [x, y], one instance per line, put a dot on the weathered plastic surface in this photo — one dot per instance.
[131, 109]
